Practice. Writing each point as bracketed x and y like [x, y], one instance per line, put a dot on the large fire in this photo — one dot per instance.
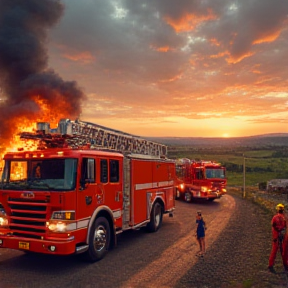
[32, 91]
[24, 123]
[46, 114]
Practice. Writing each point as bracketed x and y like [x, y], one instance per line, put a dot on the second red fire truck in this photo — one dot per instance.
[82, 187]
[200, 180]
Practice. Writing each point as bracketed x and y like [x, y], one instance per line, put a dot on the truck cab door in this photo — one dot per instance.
[86, 201]
[111, 183]
[199, 177]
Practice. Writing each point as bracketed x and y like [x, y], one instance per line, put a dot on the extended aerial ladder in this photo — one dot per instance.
[79, 134]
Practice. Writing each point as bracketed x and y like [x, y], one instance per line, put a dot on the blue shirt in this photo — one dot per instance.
[200, 228]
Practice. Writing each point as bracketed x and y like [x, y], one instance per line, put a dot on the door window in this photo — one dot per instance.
[103, 170]
[88, 169]
[199, 174]
[114, 171]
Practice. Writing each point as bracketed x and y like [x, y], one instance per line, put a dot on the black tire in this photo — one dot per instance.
[188, 196]
[155, 217]
[99, 240]
[177, 194]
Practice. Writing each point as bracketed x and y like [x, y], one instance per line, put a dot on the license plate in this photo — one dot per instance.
[24, 245]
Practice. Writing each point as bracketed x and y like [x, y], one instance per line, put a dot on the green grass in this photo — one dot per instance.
[251, 179]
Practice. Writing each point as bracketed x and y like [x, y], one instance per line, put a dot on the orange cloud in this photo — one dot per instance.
[189, 21]
[234, 60]
[268, 38]
[219, 55]
[161, 49]
[256, 69]
[214, 41]
[85, 57]
[176, 77]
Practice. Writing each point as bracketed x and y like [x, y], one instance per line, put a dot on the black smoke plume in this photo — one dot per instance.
[24, 73]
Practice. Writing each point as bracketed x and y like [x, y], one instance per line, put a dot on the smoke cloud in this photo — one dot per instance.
[26, 82]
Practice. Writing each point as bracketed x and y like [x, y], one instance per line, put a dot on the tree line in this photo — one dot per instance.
[232, 167]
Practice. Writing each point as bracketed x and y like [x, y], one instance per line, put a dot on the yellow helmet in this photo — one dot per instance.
[280, 207]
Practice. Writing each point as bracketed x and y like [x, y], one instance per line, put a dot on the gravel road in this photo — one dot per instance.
[239, 257]
[238, 247]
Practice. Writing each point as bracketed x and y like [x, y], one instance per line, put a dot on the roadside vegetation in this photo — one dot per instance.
[261, 163]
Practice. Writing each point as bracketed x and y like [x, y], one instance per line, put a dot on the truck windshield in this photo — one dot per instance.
[215, 173]
[44, 174]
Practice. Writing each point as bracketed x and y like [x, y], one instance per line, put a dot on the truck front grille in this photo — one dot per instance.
[28, 217]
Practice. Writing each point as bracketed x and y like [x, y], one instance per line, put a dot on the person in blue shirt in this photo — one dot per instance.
[200, 233]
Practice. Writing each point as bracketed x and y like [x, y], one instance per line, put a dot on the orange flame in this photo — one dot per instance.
[48, 112]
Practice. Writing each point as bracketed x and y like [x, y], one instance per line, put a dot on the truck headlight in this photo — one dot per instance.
[204, 189]
[3, 220]
[60, 226]
[182, 186]
[60, 222]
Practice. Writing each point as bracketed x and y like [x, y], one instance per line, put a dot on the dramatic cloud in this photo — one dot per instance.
[178, 68]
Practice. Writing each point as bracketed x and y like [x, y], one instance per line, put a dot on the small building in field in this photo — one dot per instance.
[277, 185]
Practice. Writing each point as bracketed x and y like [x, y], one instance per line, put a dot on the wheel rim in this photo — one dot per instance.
[100, 238]
[157, 215]
[187, 197]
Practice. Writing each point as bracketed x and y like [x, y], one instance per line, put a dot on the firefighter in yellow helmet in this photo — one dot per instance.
[278, 237]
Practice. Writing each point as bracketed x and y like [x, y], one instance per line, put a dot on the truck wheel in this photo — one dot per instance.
[99, 239]
[155, 218]
[188, 196]
[178, 194]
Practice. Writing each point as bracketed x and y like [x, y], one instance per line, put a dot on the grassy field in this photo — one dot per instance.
[261, 165]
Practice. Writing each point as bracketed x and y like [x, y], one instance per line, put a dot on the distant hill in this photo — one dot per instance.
[279, 139]
[272, 135]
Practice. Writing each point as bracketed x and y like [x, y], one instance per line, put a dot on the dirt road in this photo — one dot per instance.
[238, 247]
[177, 259]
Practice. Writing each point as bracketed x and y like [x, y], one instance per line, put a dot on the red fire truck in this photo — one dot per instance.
[200, 180]
[67, 197]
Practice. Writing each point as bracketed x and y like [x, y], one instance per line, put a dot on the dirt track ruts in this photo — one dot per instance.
[176, 260]
[239, 257]
[238, 247]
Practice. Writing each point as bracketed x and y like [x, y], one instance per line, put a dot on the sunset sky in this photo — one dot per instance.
[209, 68]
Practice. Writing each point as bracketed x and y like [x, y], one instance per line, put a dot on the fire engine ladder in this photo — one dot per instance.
[102, 137]
[79, 134]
